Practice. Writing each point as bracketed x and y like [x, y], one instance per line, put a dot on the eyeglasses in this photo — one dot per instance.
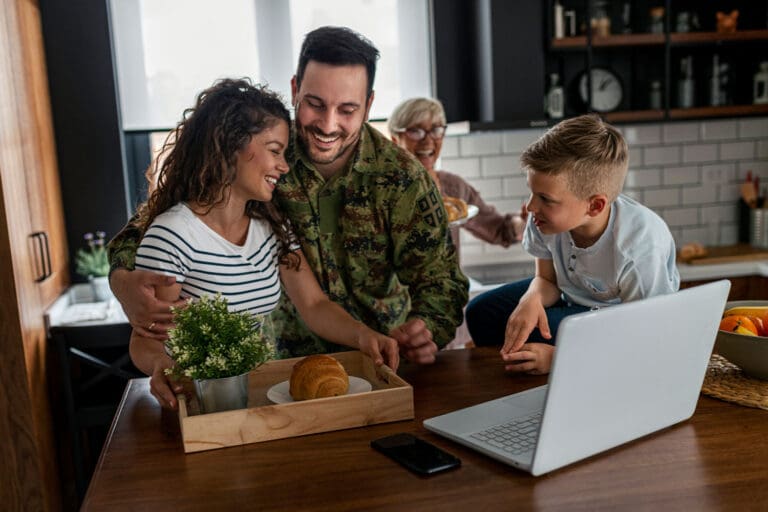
[417, 134]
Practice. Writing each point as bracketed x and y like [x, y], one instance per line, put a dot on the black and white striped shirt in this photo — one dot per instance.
[178, 243]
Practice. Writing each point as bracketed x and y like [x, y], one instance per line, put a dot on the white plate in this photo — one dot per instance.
[280, 393]
[472, 210]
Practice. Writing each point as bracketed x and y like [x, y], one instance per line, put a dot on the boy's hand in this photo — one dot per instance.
[533, 358]
[382, 349]
[526, 316]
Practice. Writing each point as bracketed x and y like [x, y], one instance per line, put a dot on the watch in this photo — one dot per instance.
[607, 91]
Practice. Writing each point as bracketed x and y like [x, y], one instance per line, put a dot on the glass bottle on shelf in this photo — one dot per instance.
[654, 97]
[685, 87]
[760, 85]
[555, 98]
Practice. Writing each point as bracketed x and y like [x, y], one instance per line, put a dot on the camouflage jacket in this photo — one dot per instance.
[375, 237]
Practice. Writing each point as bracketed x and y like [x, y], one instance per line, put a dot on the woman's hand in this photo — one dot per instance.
[162, 387]
[382, 349]
[136, 290]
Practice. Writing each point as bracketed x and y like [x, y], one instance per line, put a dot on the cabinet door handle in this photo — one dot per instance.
[48, 270]
[43, 261]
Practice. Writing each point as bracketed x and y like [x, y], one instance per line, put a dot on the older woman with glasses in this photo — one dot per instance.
[418, 125]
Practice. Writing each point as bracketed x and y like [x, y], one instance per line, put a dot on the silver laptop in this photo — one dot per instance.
[618, 373]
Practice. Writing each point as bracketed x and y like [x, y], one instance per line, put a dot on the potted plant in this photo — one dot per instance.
[92, 262]
[217, 348]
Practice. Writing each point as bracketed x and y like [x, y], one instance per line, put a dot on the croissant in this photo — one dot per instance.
[456, 208]
[318, 376]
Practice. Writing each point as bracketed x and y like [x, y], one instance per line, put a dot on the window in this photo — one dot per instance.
[167, 51]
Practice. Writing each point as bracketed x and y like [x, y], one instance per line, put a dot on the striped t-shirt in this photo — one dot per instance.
[178, 243]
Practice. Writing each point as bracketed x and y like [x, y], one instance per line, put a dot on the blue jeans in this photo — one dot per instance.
[487, 314]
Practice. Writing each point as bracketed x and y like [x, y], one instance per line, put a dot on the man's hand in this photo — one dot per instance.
[533, 358]
[149, 316]
[415, 341]
[382, 349]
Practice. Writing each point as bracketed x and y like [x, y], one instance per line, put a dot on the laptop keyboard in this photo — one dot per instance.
[516, 437]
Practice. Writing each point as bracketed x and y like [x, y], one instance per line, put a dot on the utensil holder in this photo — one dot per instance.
[758, 227]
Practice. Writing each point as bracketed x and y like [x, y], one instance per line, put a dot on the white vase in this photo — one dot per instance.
[100, 286]
[225, 394]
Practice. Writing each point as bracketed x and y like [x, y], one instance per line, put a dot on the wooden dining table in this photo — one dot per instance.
[716, 460]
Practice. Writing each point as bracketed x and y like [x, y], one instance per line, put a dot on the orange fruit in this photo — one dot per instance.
[734, 323]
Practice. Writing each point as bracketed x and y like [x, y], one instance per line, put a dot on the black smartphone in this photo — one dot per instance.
[416, 454]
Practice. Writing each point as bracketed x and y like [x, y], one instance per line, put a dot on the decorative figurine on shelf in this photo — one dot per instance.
[726, 23]
[657, 20]
[760, 88]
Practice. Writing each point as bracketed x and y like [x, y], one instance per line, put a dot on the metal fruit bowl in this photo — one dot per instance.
[750, 353]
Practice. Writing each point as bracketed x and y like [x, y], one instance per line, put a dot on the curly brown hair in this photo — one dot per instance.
[199, 156]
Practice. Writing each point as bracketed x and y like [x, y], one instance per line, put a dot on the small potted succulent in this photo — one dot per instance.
[217, 348]
[92, 263]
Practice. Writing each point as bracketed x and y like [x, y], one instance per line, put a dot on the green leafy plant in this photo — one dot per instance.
[92, 261]
[211, 342]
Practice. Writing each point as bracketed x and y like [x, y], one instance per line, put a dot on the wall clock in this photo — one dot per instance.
[607, 91]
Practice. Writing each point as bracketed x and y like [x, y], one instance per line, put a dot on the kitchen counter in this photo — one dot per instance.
[518, 265]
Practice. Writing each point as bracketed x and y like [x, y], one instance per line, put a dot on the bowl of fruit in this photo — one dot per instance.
[743, 336]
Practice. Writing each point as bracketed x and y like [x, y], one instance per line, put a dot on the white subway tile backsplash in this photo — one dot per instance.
[661, 197]
[718, 173]
[450, 147]
[680, 132]
[467, 168]
[719, 130]
[753, 128]
[661, 155]
[507, 165]
[688, 172]
[643, 178]
[681, 216]
[489, 188]
[642, 134]
[737, 150]
[693, 153]
[729, 193]
[702, 194]
[480, 144]
[515, 186]
[517, 141]
[762, 149]
[680, 175]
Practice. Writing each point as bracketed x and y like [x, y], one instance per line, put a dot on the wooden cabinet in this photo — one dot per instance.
[654, 48]
[742, 288]
[33, 261]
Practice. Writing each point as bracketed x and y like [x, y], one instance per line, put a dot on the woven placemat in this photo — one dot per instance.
[726, 381]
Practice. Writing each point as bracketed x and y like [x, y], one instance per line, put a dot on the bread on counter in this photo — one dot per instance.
[318, 376]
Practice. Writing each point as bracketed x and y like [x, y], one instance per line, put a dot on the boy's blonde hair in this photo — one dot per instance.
[415, 110]
[591, 154]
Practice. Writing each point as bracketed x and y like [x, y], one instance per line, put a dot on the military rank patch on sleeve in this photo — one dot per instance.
[429, 206]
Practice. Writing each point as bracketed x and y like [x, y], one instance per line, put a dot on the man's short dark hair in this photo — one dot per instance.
[338, 46]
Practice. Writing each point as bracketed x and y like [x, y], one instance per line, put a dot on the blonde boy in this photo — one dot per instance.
[594, 247]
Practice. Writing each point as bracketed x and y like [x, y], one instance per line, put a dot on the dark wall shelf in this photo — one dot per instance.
[658, 60]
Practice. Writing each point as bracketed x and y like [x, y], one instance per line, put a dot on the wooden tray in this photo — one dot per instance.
[391, 399]
[729, 254]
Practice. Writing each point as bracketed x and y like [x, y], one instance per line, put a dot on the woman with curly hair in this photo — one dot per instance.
[210, 222]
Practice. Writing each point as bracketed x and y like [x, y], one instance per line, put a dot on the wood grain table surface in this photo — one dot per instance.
[717, 460]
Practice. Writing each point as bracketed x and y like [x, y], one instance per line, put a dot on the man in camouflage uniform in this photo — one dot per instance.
[369, 219]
